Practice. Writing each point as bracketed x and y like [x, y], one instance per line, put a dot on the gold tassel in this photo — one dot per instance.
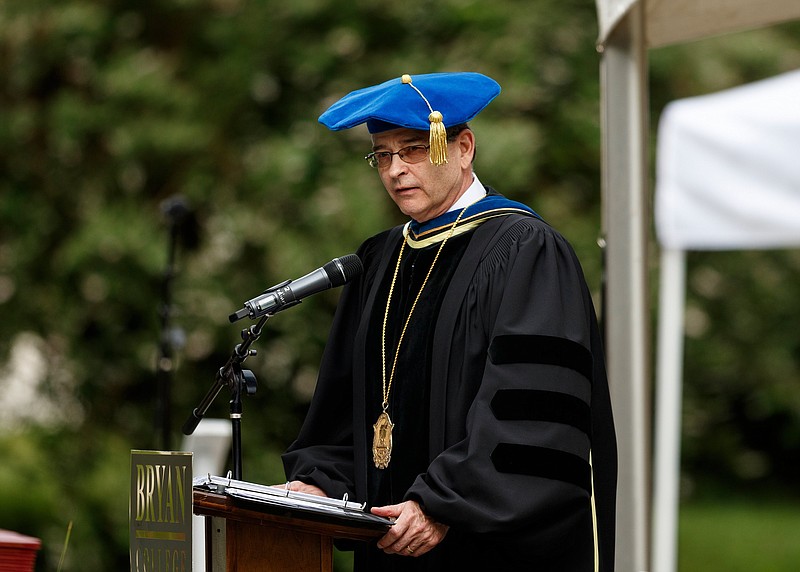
[438, 132]
[438, 139]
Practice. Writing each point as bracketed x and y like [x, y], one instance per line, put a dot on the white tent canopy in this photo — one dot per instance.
[729, 168]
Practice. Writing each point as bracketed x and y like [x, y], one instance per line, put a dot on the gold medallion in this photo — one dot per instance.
[382, 441]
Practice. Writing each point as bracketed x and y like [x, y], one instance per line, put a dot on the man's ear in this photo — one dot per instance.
[466, 144]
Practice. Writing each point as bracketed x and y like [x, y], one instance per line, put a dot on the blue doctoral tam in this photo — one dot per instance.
[412, 101]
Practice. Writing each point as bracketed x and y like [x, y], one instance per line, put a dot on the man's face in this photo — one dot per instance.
[421, 190]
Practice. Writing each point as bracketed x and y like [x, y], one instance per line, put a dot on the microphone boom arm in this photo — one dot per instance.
[235, 378]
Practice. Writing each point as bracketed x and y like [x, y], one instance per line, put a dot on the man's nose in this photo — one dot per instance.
[397, 166]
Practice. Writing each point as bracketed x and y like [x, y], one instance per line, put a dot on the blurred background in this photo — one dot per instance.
[161, 163]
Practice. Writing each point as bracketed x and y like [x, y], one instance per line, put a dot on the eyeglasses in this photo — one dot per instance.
[411, 154]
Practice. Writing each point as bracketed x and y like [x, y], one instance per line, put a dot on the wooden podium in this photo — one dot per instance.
[243, 535]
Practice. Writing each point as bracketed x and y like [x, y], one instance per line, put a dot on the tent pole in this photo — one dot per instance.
[623, 77]
[669, 392]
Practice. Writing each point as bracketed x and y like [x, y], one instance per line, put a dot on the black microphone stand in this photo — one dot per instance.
[183, 229]
[165, 363]
[174, 209]
[238, 380]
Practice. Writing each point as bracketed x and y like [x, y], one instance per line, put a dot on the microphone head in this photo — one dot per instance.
[183, 220]
[342, 270]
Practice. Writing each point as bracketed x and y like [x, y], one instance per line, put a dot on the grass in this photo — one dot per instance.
[739, 535]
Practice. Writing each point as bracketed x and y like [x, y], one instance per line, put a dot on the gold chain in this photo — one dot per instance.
[388, 388]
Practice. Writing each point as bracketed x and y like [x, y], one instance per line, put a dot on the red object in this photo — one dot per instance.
[17, 551]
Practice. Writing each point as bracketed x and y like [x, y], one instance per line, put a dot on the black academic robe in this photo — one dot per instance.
[517, 397]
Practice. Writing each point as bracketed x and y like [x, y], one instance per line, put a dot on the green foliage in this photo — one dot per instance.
[50, 479]
[109, 108]
[742, 407]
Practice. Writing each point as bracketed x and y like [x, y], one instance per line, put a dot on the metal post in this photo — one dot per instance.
[669, 393]
[623, 74]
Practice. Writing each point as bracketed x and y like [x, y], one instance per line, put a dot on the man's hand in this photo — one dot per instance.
[414, 533]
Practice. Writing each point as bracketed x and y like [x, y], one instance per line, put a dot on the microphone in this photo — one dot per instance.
[335, 273]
